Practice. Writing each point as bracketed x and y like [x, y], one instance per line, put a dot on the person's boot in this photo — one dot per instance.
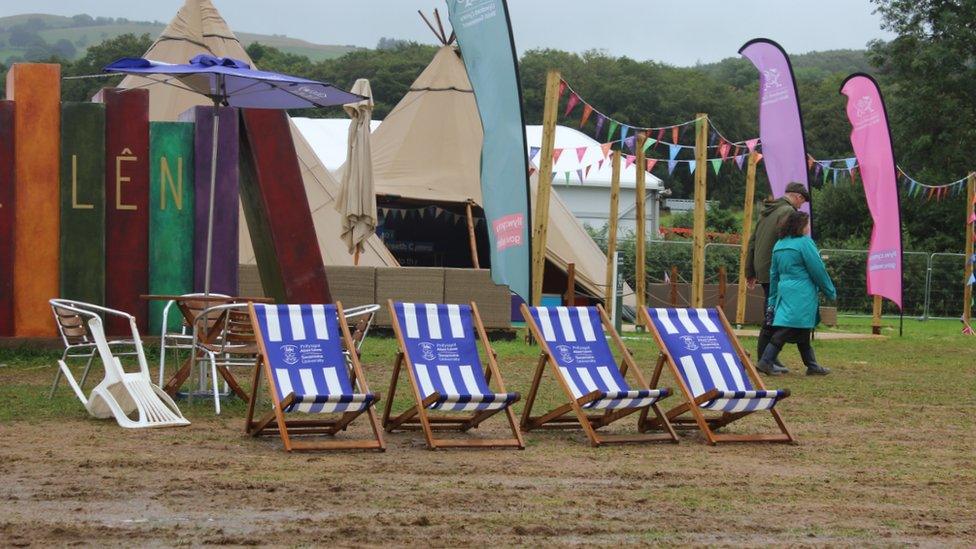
[765, 334]
[767, 363]
[810, 361]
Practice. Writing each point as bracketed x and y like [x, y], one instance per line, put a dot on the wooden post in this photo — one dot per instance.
[674, 285]
[471, 240]
[876, 316]
[740, 305]
[640, 218]
[569, 298]
[967, 293]
[612, 226]
[701, 171]
[721, 286]
[545, 184]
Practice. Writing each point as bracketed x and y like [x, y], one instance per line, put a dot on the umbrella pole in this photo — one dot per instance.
[213, 185]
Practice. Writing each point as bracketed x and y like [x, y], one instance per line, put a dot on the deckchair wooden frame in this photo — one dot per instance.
[419, 416]
[555, 418]
[709, 424]
[275, 420]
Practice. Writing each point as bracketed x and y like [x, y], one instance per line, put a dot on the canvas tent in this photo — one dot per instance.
[199, 28]
[428, 150]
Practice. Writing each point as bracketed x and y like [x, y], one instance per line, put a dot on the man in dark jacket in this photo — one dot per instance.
[760, 253]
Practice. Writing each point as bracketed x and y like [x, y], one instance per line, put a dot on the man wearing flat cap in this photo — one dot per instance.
[760, 252]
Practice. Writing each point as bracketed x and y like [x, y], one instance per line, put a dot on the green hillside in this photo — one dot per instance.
[39, 36]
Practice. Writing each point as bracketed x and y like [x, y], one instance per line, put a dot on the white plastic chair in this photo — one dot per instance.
[78, 343]
[121, 394]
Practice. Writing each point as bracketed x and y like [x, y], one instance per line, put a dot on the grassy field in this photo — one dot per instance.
[885, 457]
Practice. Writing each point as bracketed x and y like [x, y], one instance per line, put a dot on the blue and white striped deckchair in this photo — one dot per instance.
[714, 372]
[437, 343]
[574, 343]
[301, 353]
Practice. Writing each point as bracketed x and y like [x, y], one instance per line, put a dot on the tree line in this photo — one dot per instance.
[927, 73]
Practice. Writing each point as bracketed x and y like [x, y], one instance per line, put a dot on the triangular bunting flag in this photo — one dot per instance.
[586, 172]
[674, 134]
[759, 158]
[972, 279]
[739, 159]
[580, 153]
[630, 160]
[624, 130]
[809, 162]
[587, 111]
[556, 153]
[692, 164]
[716, 164]
[712, 137]
[650, 164]
[606, 149]
[600, 119]
[851, 162]
[630, 142]
[579, 173]
[533, 151]
[835, 176]
[567, 177]
[660, 134]
[751, 144]
[613, 128]
[571, 103]
[673, 151]
[671, 165]
[562, 89]
[599, 164]
[648, 142]
[825, 164]
[825, 173]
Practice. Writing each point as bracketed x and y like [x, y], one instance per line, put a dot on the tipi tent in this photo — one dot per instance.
[199, 28]
[428, 150]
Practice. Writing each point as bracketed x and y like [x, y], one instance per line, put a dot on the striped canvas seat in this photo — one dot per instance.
[579, 346]
[439, 340]
[304, 352]
[707, 360]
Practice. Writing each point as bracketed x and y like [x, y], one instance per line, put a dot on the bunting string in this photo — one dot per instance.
[656, 134]
[832, 168]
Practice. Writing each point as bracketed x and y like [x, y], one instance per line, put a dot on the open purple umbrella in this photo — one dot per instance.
[233, 83]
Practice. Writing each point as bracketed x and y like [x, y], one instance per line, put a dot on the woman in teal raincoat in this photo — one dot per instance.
[796, 276]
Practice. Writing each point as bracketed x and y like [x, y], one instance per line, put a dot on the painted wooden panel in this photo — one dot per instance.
[83, 202]
[36, 91]
[7, 207]
[281, 200]
[223, 274]
[171, 213]
[126, 204]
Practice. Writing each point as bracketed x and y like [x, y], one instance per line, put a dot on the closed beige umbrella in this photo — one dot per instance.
[357, 198]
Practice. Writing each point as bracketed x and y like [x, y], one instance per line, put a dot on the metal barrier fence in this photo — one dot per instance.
[933, 282]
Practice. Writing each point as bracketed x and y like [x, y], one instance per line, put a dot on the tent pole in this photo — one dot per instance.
[698, 247]
[612, 230]
[471, 241]
[640, 217]
[967, 294]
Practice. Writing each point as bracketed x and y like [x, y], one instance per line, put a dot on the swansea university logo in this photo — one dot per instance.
[427, 350]
[864, 106]
[565, 353]
[690, 343]
[289, 354]
[771, 79]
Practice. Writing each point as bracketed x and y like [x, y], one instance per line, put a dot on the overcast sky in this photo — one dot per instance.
[680, 32]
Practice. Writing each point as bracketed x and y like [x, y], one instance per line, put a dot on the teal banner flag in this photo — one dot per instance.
[484, 35]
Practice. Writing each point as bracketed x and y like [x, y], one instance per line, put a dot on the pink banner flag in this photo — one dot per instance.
[630, 161]
[606, 149]
[580, 153]
[871, 140]
[751, 144]
[650, 164]
[556, 153]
